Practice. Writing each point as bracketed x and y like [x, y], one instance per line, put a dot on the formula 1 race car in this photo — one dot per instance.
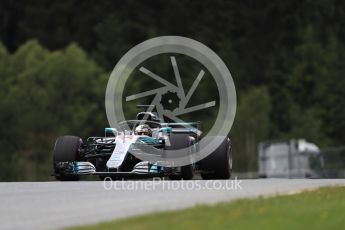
[112, 155]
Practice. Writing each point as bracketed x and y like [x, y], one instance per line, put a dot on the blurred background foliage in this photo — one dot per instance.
[287, 60]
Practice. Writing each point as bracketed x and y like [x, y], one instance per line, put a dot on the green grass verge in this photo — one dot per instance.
[319, 209]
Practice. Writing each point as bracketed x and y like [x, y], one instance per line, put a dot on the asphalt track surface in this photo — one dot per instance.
[55, 205]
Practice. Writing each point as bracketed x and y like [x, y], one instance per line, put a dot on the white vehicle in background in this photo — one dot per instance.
[290, 159]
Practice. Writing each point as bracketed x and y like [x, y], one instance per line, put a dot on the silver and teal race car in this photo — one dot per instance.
[115, 154]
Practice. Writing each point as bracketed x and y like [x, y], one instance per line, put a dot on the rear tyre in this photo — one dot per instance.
[181, 141]
[66, 149]
[218, 165]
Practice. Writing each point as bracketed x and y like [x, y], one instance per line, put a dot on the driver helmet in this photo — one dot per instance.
[143, 130]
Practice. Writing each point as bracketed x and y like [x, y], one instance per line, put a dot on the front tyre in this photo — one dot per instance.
[218, 165]
[66, 149]
[181, 141]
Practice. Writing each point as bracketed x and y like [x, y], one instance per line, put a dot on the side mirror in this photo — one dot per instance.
[110, 132]
[165, 130]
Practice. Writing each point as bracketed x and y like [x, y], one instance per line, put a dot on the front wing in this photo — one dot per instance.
[141, 170]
